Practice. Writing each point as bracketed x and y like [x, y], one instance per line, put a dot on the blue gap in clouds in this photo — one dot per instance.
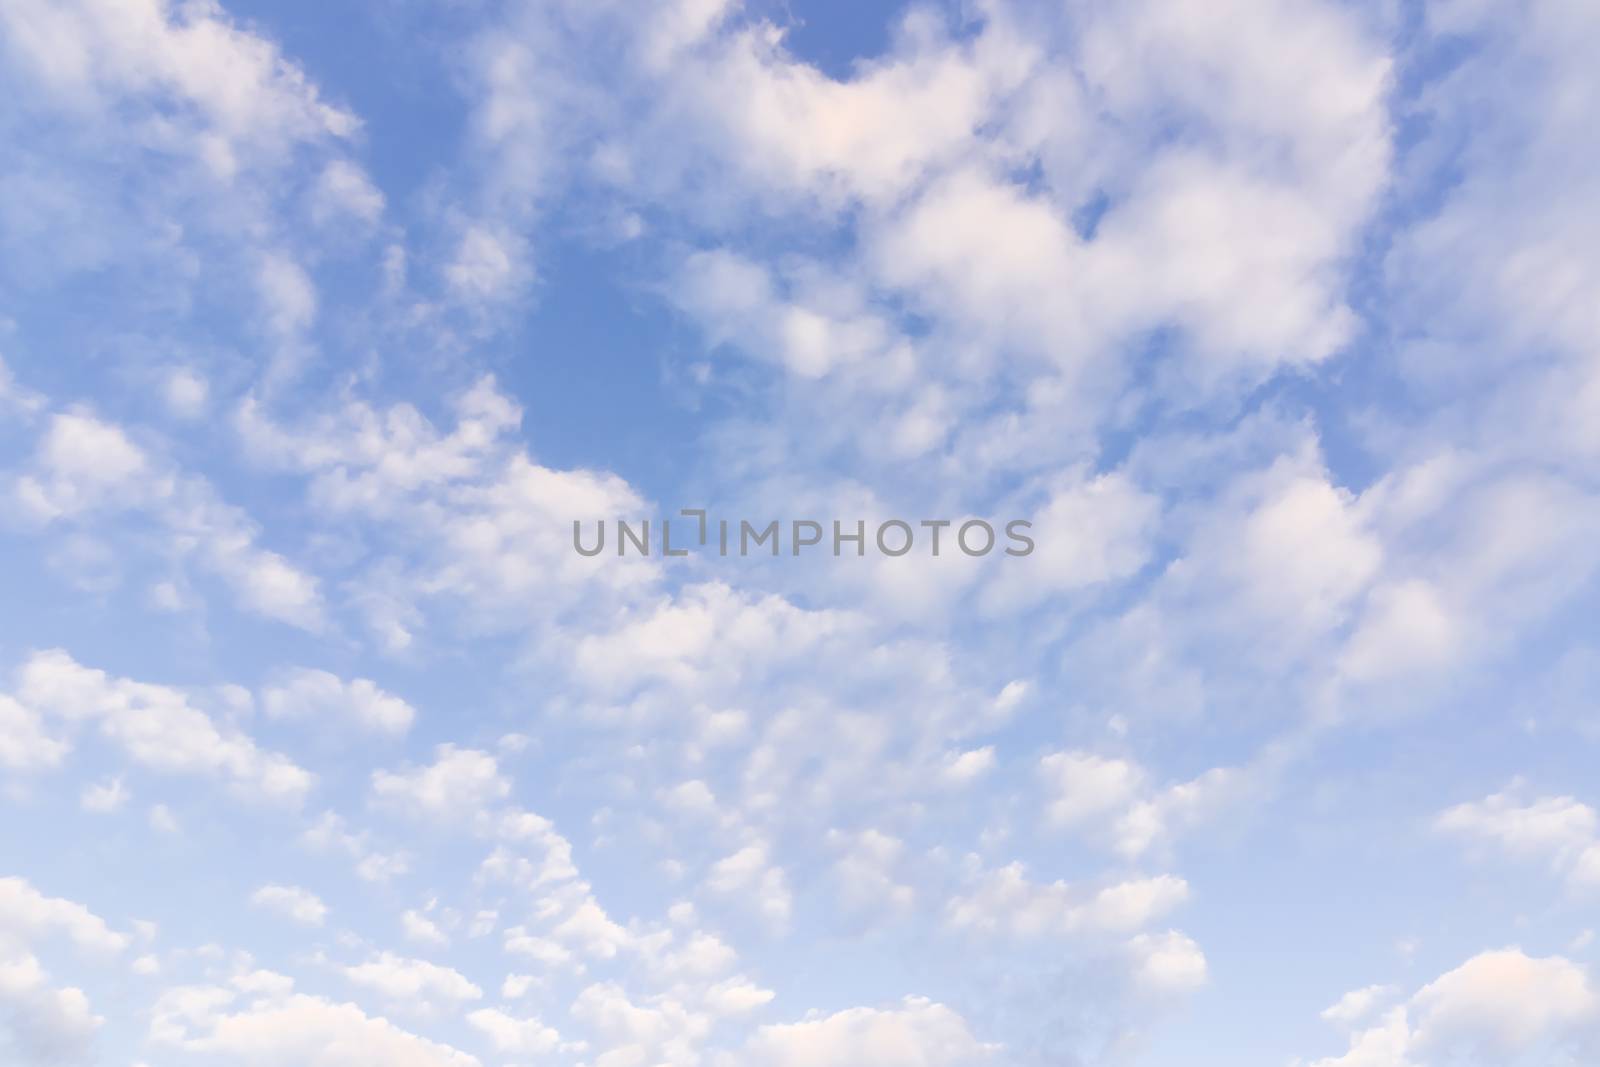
[833, 35]
[385, 63]
[592, 364]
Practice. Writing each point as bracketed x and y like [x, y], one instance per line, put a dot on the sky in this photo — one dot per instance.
[322, 324]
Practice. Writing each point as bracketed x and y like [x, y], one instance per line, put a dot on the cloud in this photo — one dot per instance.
[917, 1033]
[344, 188]
[46, 1026]
[27, 915]
[289, 1030]
[466, 516]
[1005, 901]
[186, 393]
[1493, 1009]
[1112, 799]
[750, 877]
[1558, 831]
[104, 797]
[40, 1023]
[1357, 1006]
[307, 693]
[512, 1036]
[1168, 963]
[423, 930]
[461, 783]
[24, 745]
[85, 468]
[211, 116]
[157, 727]
[291, 902]
[241, 87]
[413, 984]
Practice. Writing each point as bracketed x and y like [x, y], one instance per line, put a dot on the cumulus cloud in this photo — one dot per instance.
[412, 983]
[917, 1033]
[85, 467]
[281, 1028]
[1006, 901]
[1556, 830]
[1496, 1008]
[291, 902]
[460, 783]
[308, 693]
[157, 726]
[40, 1022]
[1286, 355]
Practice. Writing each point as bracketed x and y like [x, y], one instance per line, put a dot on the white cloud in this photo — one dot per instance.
[512, 1036]
[344, 188]
[412, 983]
[1085, 786]
[486, 265]
[1168, 963]
[83, 464]
[157, 727]
[1087, 533]
[963, 768]
[294, 1030]
[1357, 1006]
[291, 902]
[288, 293]
[421, 929]
[86, 468]
[104, 797]
[24, 744]
[470, 518]
[240, 83]
[1006, 901]
[45, 1025]
[27, 915]
[307, 693]
[917, 1033]
[865, 870]
[1493, 1009]
[1558, 831]
[749, 877]
[460, 783]
[162, 820]
[186, 393]
[1112, 800]
[330, 833]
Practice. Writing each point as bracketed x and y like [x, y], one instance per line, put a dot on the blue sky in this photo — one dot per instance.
[320, 325]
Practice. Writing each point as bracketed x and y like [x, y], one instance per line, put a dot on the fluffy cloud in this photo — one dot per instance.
[1495, 1008]
[512, 1036]
[460, 783]
[24, 744]
[38, 1023]
[41, 1023]
[157, 727]
[292, 902]
[1007, 902]
[1112, 799]
[312, 693]
[471, 518]
[412, 983]
[1161, 276]
[917, 1033]
[27, 915]
[85, 467]
[284, 1029]
[243, 87]
[1559, 831]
